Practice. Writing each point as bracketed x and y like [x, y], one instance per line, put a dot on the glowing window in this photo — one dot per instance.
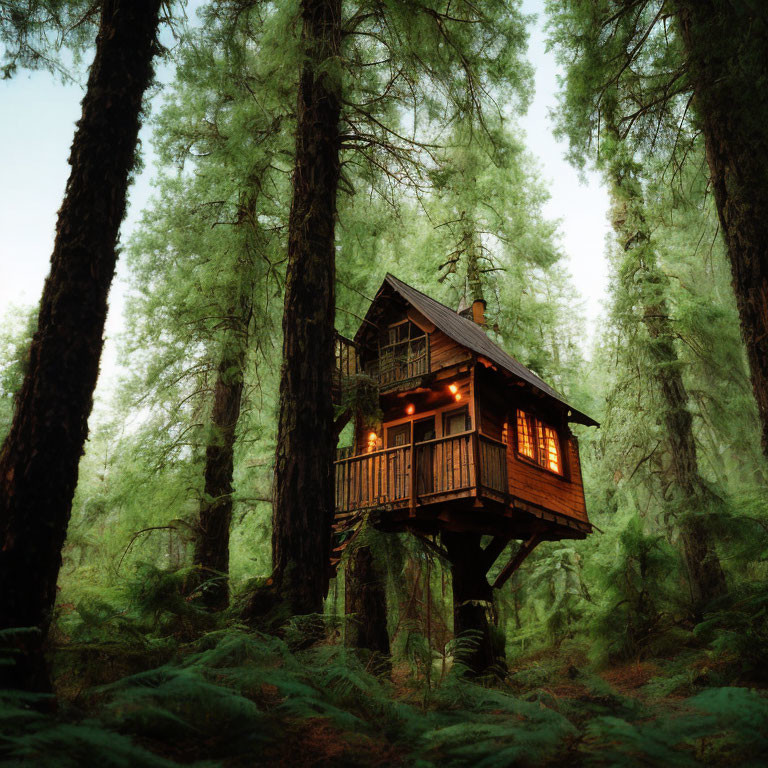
[525, 435]
[552, 450]
[539, 442]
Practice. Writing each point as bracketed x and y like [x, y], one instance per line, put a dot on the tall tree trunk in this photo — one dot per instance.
[643, 280]
[366, 601]
[472, 600]
[727, 50]
[212, 542]
[39, 459]
[303, 488]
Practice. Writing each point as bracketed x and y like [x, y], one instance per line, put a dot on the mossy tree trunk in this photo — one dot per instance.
[39, 459]
[212, 535]
[727, 50]
[365, 602]
[303, 486]
[644, 285]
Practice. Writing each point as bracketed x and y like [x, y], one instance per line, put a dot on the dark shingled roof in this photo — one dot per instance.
[470, 335]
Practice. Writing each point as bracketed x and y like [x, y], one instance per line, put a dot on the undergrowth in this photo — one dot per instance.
[239, 697]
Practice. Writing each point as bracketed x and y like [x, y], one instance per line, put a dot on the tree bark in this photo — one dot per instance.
[727, 50]
[39, 459]
[212, 541]
[303, 488]
[472, 600]
[366, 602]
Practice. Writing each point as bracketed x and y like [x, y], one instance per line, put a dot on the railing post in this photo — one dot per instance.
[476, 460]
[412, 479]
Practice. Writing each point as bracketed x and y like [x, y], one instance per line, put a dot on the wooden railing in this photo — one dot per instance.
[493, 463]
[400, 362]
[373, 479]
[443, 466]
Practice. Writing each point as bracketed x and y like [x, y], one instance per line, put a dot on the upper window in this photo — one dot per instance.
[403, 353]
[538, 442]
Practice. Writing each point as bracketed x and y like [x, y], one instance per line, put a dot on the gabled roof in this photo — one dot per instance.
[470, 335]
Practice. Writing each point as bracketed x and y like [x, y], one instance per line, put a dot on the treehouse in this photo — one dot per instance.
[468, 442]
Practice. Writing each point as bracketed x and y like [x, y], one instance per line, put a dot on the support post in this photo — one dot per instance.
[517, 560]
[472, 601]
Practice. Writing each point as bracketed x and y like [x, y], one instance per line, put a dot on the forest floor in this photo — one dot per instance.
[237, 698]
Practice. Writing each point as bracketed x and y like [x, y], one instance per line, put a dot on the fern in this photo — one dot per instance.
[493, 729]
[716, 727]
[29, 736]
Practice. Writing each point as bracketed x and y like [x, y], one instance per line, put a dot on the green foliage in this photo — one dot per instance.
[636, 615]
[737, 628]
[33, 33]
[712, 728]
[18, 327]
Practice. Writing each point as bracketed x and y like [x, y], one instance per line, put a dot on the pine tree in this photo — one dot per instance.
[303, 485]
[204, 268]
[398, 56]
[677, 69]
[644, 285]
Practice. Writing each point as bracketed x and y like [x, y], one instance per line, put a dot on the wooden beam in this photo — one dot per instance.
[493, 550]
[517, 560]
[418, 319]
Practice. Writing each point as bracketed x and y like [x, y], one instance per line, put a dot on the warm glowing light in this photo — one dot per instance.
[457, 397]
[454, 389]
[372, 437]
[410, 408]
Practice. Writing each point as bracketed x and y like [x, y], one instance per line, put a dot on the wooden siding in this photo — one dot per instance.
[444, 351]
[539, 486]
[491, 422]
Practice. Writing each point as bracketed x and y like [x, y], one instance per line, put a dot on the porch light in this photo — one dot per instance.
[372, 437]
[410, 409]
[454, 388]
[457, 397]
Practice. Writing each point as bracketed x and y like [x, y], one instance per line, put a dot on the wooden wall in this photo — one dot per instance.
[444, 351]
[536, 485]
[436, 403]
[497, 405]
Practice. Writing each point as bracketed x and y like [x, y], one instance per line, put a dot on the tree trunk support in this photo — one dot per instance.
[472, 600]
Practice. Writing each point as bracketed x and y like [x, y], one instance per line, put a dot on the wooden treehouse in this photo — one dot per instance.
[469, 443]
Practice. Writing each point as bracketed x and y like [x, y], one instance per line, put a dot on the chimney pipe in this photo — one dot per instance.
[478, 311]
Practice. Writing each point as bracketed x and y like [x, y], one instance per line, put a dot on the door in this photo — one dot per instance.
[424, 430]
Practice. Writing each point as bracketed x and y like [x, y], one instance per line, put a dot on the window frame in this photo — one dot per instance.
[460, 411]
[387, 357]
[539, 426]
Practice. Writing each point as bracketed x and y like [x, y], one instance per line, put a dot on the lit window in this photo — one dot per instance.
[552, 450]
[539, 442]
[524, 435]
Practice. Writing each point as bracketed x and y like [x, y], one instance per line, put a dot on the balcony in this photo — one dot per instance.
[405, 356]
[463, 465]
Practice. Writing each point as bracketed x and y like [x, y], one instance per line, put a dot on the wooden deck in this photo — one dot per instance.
[459, 482]
[457, 466]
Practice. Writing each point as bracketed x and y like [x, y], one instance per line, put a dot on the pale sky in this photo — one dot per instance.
[36, 131]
